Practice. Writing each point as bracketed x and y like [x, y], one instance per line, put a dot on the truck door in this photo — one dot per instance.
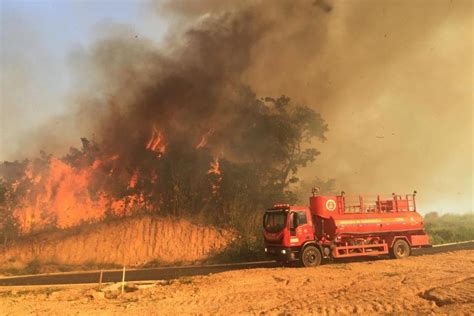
[301, 229]
[304, 230]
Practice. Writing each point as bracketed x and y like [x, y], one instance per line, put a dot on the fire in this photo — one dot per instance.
[156, 142]
[133, 180]
[215, 169]
[88, 185]
[61, 196]
[204, 139]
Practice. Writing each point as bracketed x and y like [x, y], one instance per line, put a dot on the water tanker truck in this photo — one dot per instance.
[342, 226]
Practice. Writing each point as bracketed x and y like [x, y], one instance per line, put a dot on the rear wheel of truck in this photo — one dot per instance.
[311, 257]
[401, 249]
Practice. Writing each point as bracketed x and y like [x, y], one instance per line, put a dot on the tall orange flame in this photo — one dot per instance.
[60, 196]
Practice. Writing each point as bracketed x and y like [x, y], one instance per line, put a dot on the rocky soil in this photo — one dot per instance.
[434, 284]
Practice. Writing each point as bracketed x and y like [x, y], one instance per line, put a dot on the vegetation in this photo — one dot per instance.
[8, 224]
[449, 227]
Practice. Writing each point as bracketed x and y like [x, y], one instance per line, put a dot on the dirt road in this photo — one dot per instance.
[440, 283]
[168, 273]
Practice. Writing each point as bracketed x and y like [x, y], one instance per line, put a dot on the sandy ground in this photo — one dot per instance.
[436, 284]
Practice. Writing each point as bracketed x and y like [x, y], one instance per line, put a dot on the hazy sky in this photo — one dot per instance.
[37, 41]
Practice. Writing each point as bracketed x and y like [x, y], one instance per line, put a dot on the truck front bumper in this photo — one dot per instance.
[280, 253]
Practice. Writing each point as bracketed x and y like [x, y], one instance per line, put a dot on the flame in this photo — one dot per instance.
[133, 180]
[60, 196]
[156, 142]
[215, 169]
[204, 139]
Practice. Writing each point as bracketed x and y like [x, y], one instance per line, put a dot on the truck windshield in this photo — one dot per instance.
[274, 221]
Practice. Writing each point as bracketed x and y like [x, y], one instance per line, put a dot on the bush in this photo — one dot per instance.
[242, 250]
[33, 267]
[449, 227]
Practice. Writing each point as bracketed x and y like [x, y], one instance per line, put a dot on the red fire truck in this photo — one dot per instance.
[342, 226]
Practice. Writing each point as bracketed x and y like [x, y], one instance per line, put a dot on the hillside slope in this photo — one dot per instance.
[131, 242]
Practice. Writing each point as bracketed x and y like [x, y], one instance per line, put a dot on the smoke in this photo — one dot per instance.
[391, 79]
[183, 93]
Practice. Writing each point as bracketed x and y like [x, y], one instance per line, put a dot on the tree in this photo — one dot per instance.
[275, 134]
[295, 126]
[8, 223]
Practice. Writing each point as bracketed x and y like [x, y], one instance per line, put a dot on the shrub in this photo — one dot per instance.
[33, 267]
[449, 227]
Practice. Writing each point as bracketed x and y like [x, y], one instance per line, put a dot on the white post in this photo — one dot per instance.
[100, 279]
[123, 279]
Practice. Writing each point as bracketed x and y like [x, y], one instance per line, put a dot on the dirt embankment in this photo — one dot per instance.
[436, 284]
[131, 242]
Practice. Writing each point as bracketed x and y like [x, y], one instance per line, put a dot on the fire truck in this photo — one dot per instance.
[343, 226]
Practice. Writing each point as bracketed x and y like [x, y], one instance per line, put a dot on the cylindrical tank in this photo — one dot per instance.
[333, 218]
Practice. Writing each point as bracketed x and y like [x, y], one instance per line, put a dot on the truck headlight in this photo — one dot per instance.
[283, 251]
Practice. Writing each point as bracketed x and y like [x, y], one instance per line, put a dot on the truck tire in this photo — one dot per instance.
[401, 249]
[311, 257]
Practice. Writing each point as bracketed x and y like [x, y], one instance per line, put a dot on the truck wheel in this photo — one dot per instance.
[311, 257]
[401, 249]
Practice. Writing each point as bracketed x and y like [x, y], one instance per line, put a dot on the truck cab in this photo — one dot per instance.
[286, 229]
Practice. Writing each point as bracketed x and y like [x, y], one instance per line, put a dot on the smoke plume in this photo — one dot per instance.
[392, 79]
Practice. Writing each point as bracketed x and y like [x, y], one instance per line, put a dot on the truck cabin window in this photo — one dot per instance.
[274, 221]
[302, 220]
[297, 219]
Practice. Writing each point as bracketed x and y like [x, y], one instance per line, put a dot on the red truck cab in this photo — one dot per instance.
[286, 229]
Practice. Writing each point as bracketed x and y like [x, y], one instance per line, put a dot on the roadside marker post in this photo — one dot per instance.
[123, 279]
[100, 278]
